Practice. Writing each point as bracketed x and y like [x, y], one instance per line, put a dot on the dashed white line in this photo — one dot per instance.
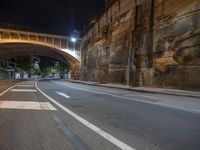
[94, 128]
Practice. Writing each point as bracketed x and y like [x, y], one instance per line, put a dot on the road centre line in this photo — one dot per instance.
[134, 99]
[94, 128]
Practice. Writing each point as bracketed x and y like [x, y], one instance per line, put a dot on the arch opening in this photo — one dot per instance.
[13, 48]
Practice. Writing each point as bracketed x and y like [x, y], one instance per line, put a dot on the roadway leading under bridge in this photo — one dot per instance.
[60, 115]
[19, 43]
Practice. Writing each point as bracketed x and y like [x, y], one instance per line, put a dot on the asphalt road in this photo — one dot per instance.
[59, 115]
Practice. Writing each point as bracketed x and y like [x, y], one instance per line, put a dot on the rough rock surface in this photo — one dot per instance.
[153, 43]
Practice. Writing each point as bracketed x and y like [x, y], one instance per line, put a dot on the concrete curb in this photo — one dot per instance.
[138, 90]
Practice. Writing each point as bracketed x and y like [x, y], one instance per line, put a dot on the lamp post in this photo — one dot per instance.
[76, 41]
[73, 40]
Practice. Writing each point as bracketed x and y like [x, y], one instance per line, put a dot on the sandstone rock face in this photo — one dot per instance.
[145, 43]
[177, 44]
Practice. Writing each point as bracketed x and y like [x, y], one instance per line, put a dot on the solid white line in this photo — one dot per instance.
[145, 96]
[134, 99]
[23, 90]
[94, 128]
[26, 105]
[63, 94]
[8, 89]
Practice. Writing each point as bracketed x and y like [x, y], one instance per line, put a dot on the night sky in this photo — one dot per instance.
[62, 16]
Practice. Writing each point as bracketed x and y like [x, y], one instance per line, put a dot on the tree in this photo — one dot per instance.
[35, 69]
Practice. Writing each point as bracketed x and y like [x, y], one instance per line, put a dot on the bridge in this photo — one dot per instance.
[18, 42]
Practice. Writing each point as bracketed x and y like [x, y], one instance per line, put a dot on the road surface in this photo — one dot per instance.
[59, 115]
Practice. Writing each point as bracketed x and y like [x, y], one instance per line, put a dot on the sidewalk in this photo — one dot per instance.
[142, 89]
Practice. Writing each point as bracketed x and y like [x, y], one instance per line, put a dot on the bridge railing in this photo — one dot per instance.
[62, 42]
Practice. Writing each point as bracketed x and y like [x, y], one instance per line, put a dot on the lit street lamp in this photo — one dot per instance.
[74, 40]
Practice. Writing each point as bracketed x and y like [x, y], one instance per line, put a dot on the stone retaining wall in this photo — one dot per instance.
[153, 43]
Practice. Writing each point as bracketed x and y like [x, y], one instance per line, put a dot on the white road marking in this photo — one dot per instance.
[63, 94]
[21, 85]
[27, 83]
[23, 90]
[33, 82]
[94, 128]
[8, 89]
[134, 99]
[146, 96]
[26, 105]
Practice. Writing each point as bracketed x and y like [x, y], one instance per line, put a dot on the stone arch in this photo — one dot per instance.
[69, 56]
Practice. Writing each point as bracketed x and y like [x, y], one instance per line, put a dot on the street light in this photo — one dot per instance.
[73, 39]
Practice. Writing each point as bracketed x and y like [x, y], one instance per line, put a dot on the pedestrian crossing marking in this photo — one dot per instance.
[21, 85]
[22, 105]
[23, 90]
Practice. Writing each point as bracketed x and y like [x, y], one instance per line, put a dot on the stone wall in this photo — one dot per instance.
[177, 44]
[152, 43]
